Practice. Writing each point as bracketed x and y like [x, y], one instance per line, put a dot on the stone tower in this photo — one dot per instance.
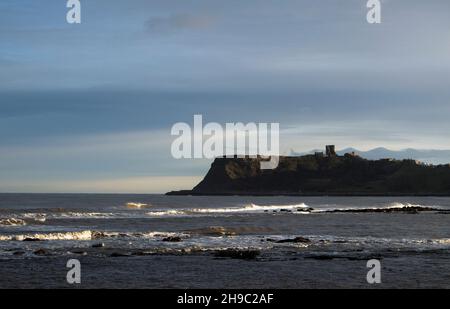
[331, 151]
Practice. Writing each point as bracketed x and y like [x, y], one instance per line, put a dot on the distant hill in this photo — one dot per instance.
[430, 156]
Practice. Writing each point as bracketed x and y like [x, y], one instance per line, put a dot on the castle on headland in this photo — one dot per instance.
[330, 151]
[324, 173]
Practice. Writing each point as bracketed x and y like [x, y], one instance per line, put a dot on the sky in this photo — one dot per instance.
[89, 107]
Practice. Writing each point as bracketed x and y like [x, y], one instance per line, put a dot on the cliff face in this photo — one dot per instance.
[317, 175]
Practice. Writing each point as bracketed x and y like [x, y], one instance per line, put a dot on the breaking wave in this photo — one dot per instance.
[143, 235]
[12, 222]
[133, 205]
[88, 235]
[83, 235]
[251, 208]
[394, 207]
[167, 213]
[42, 217]
[32, 218]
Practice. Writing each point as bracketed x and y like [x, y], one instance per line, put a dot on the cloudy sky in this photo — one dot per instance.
[89, 107]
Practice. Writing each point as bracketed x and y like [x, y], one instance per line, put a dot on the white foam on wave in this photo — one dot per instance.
[396, 205]
[143, 235]
[402, 205]
[12, 222]
[42, 217]
[88, 235]
[442, 241]
[166, 213]
[368, 241]
[133, 205]
[83, 235]
[94, 215]
[38, 217]
[251, 208]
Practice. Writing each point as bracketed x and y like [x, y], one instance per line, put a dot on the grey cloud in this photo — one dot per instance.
[172, 23]
[7, 62]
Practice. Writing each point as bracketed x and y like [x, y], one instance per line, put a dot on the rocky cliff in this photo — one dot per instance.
[323, 175]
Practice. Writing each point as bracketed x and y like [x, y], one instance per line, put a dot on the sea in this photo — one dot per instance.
[223, 242]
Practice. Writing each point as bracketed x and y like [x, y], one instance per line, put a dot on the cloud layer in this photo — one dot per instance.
[97, 100]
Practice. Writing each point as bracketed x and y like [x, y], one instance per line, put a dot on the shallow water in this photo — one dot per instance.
[413, 247]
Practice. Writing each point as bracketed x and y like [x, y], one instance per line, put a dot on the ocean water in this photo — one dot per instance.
[156, 241]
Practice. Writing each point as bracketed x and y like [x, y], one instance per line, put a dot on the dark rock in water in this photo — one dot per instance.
[320, 257]
[238, 254]
[41, 252]
[309, 209]
[31, 239]
[119, 254]
[99, 245]
[285, 210]
[213, 231]
[98, 235]
[413, 212]
[79, 252]
[444, 212]
[19, 253]
[294, 240]
[172, 239]
[363, 258]
[141, 253]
